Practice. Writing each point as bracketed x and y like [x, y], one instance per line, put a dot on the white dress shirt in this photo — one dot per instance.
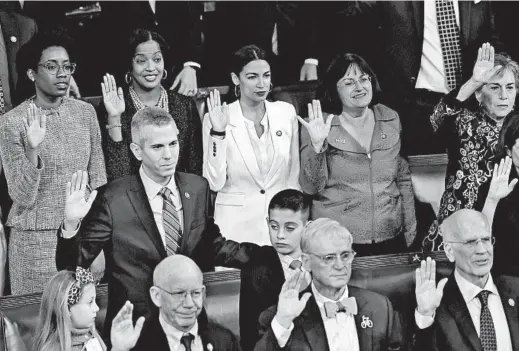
[341, 331]
[174, 335]
[286, 260]
[152, 5]
[469, 292]
[262, 146]
[432, 71]
[157, 201]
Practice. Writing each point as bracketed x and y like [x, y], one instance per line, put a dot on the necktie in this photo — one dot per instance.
[487, 333]
[295, 264]
[346, 305]
[187, 340]
[171, 222]
[450, 41]
[2, 102]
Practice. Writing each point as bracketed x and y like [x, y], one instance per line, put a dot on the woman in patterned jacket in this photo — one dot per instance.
[471, 134]
[43, 141]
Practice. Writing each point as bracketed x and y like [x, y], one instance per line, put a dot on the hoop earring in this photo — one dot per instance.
[128, 78]
[237, 90]
[164, 74]
[271, 87]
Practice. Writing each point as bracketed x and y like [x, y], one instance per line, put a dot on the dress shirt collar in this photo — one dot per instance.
[286, 260]
[175, 334]
[152, 188]
[469, 291]
[320, 299]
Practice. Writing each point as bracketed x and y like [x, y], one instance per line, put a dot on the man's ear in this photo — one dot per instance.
[136, 149]
[235, 79]
[508, 152]
[155, 296]
[305, 258]
[447, 248]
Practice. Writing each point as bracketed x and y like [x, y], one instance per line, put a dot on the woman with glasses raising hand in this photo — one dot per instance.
[43, 142]
[351, 163]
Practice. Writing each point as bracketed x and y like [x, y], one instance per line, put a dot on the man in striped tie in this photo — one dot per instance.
[138, 220]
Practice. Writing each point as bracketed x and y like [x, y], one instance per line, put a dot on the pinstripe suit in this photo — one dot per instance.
[72, 142]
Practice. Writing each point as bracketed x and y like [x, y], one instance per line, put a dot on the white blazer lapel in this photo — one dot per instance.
[243, 144]
[280, 138]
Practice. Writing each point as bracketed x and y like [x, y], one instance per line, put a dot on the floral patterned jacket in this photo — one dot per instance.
[471, 138]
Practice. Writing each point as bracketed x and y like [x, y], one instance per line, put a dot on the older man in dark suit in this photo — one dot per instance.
[329, 314]
[471, 310]
[139, 220]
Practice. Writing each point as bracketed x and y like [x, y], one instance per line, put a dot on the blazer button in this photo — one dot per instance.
[262, 191]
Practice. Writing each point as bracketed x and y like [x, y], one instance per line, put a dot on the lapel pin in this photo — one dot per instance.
[339, 140]
[209, 347]
[366, 322]
[186, 194]
[383, 136]
[279, 133]
[14, 39]
[511, 302]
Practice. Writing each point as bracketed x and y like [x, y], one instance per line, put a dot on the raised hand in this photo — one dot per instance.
[76, 207]
[124, 334]
[499, 186]
[187, 80]
[218, 113]
[35, 126]
[317, 128]
[484, 68]
[113, 97]
[428, 294]
[289, 304]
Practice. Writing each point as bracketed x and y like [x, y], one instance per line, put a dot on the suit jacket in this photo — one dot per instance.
[219, 337]
[309, 333]
[121, 223]
[453, 328]
[16, 30]
[232, 170]
[261, 282]
[393, 37]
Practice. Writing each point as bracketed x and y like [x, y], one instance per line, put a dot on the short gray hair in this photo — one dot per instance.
[154, 116]
[323, 229]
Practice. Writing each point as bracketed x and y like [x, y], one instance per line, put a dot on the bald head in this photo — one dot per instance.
[176, 269]
[463, 222]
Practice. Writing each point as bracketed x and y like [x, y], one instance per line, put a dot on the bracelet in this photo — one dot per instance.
[111, 126]
[215, 133]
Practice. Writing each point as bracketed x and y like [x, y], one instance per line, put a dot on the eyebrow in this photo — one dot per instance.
[147, 52]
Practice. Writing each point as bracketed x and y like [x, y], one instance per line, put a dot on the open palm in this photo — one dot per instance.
[499, 186]
[428, 294]
[290, 305]
[218, 113]
[35, 126]
[484, 68]
[113, 97]
[76, 207]
[317, 128]
[124, 334]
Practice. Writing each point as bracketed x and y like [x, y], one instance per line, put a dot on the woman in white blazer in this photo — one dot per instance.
[251, 149]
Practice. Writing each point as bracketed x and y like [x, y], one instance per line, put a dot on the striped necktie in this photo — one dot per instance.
[171, 222]
[450, 42]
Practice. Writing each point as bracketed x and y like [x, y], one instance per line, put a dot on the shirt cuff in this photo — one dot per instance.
[192, 64]
[422, 321]
[282, 335]
[68, 234]
[312, 61]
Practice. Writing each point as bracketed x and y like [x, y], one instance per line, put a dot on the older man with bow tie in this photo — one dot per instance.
[329, 314]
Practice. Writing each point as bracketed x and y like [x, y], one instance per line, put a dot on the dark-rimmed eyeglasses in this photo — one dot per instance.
[181, 296]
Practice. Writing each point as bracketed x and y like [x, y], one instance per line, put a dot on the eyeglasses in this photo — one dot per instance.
[487, 241]
[345, 257]
[181, 296]
[350, 83]
[53, 68]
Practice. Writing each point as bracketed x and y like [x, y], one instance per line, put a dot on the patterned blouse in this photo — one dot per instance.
[472, 139]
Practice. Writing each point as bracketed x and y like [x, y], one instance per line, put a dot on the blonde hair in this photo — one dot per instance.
[54, 329]
[323, 229]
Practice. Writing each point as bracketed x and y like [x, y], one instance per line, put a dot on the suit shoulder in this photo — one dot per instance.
[193, 179]
[265, 258]
[118, 185]
[508, 282]
[283, 106]
[371, 296]
[385, 110]
[220, 333]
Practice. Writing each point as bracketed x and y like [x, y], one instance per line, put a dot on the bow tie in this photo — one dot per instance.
[346, 305]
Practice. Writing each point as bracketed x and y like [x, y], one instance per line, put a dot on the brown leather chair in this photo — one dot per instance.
[391, 275]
